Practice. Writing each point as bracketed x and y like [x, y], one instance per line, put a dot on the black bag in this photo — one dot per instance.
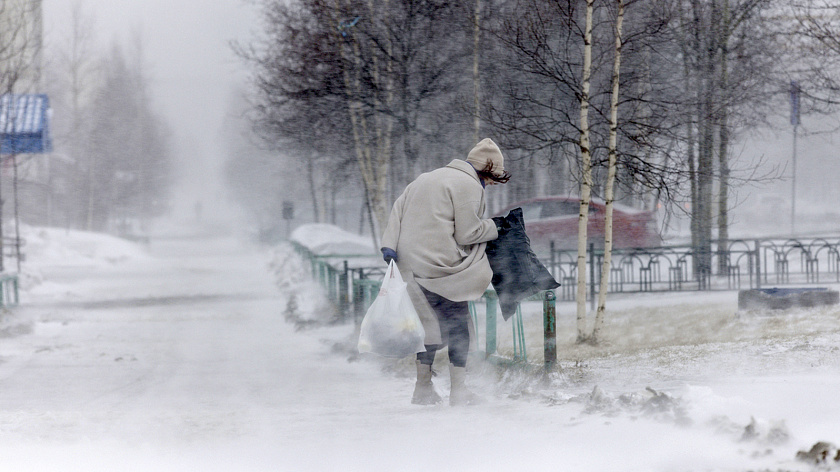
[517, 273]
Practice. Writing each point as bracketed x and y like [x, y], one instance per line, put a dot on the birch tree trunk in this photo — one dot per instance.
[372, 127]
[358, 122]
[608, 187]
[385, 149]
[586, 177]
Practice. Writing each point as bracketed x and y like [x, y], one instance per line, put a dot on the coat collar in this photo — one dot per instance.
[464, 167]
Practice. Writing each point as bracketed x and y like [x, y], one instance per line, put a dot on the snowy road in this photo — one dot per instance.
[179, 348]
[182, 360]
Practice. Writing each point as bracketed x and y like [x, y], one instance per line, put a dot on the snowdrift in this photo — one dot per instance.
[323, 239]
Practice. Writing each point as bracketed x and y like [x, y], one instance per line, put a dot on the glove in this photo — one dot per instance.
[389, 255]
[499, 221]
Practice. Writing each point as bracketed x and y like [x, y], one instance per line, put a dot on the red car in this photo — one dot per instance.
[556, 219]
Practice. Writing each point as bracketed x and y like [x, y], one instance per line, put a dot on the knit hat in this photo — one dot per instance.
[487, 151]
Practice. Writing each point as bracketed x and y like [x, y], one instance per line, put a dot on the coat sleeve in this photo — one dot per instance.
[391, 235]
[469, 227]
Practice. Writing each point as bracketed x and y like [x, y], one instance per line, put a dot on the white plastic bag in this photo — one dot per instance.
[391, 327]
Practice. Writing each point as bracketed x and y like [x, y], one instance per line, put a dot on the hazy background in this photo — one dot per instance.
[763, 208]
[193, 74]
[196, 80]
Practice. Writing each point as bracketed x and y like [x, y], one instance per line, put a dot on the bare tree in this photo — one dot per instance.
[20, 45]
[20, 56]
[713, 35]
[403, 63]
[298, 100]
[554, 101]
[129, 155]
[74, 75]
[372, 60]
[815, 40]
[380, 78]
[611, 171]
[586, 173]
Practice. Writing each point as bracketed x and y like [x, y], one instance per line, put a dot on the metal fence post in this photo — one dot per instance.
[343, 288]
[519, 352]
[490, 322]
[592, 276]
[549, 329]
[332, 283]
[552, 264]
[358, 299]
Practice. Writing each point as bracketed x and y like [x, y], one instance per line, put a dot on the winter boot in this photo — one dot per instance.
[424, 389]
[459, 395]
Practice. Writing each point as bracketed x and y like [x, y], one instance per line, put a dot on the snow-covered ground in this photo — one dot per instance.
[201, 351]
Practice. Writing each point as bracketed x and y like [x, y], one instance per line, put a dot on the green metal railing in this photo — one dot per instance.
[490, 320]
[364, 292]
[353, 291]
[350, 289]
[520, 353]
[9, 290]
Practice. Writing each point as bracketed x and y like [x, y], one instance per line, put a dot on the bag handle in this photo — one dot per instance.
[393, 271]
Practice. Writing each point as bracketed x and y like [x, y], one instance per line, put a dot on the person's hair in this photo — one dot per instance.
[487, 173]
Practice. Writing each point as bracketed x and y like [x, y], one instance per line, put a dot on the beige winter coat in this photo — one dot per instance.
[437, 230]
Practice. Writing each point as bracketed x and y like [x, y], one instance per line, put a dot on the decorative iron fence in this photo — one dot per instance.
[352, 281]
[730, 265]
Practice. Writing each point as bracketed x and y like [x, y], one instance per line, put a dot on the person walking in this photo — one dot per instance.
[437, 235]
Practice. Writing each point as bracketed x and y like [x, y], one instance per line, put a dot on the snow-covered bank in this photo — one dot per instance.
[325, 239]
[181, 359]
[692, 361]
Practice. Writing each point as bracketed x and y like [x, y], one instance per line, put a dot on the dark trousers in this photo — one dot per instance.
[453, 318]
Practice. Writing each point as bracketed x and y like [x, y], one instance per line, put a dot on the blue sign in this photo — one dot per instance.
[24, 124]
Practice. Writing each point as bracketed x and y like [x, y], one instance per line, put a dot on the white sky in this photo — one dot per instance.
[189, 60]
